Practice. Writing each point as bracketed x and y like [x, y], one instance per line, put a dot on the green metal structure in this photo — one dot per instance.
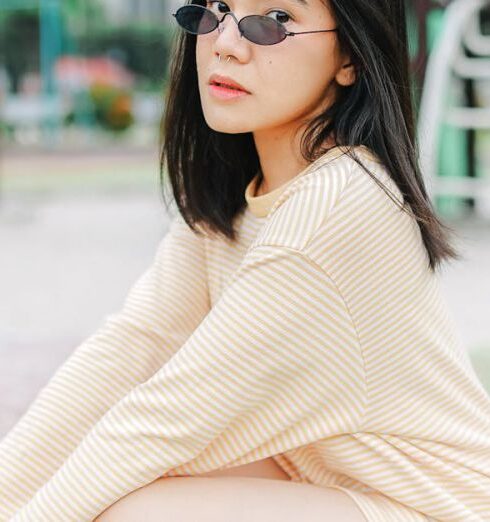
[50, 23]
[51, 34]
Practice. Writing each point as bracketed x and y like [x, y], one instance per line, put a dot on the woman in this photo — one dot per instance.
[288, 353]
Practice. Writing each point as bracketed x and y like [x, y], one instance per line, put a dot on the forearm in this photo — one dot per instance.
[162, 309]
[98, 374]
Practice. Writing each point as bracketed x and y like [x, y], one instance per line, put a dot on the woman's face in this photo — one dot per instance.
[289, 82]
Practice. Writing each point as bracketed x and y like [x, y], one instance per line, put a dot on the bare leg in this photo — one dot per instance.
[237, 499]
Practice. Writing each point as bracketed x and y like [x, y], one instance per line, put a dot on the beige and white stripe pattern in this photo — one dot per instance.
[320, 338]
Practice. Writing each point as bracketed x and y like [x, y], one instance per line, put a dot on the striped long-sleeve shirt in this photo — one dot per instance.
[319, 338]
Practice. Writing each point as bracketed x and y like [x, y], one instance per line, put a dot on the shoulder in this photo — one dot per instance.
[307, 203]
[179, 236]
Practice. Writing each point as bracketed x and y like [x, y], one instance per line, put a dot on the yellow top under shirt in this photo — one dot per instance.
[319, 338]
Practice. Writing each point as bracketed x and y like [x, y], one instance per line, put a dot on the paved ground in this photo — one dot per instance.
[75, 234]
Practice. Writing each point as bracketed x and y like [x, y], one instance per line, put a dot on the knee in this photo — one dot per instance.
[150, 500]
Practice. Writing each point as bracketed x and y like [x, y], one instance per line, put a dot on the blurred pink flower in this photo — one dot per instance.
[75, 72]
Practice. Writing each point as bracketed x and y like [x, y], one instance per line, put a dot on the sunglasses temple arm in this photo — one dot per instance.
[306, 32]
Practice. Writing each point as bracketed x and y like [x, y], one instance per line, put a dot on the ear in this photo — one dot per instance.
[346, 75]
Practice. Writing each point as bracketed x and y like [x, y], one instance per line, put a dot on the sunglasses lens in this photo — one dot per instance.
[262, 30]
[196, 19]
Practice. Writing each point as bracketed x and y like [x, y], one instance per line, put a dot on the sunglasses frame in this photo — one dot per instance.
[218, 22]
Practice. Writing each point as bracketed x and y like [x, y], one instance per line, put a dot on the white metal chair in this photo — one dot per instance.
[447, 68]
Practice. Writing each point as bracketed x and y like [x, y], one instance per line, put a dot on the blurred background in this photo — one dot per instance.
[82, 86]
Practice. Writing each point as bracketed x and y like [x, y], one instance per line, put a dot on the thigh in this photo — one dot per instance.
[237, 499]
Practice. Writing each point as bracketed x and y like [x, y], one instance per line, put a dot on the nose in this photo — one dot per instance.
[227, 44]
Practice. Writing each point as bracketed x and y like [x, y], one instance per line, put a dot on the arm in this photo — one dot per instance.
[160, 312]
[273, 366]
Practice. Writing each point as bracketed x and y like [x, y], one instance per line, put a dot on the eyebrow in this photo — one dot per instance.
[302, 3]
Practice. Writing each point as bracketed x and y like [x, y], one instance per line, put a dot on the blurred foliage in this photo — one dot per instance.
[144, 51]
[141, 48]
[19, 43]
[108, 107]
[113, 107]
[79, 13]
[6, 131]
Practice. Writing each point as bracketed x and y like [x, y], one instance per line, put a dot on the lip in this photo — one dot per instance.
[226, 80]
[226, 94]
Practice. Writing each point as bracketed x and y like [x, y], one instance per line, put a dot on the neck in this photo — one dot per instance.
[280, 157]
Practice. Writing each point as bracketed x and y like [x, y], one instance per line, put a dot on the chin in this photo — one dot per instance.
[227, 125]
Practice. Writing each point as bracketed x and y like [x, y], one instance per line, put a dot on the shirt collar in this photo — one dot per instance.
[260, 206]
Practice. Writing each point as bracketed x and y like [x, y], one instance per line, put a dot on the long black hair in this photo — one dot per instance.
[377, 111]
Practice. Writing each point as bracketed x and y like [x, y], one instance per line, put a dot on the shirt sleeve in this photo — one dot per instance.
[161, 311]
[274, 365]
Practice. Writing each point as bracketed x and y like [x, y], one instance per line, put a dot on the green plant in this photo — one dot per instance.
[113, 107]
[144, 52]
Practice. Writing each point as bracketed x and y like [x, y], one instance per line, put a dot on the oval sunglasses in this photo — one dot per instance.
[261, 30]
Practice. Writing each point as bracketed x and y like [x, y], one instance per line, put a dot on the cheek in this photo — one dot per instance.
[298, 74]
[204, 57]
[202, 54]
